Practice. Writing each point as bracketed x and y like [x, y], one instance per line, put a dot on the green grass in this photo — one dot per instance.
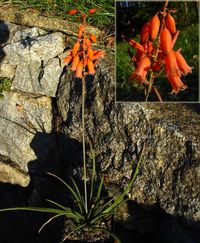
[58, 8]
[5, 85]
[188, 40]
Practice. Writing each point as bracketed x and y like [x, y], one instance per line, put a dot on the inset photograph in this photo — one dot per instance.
[157, 51]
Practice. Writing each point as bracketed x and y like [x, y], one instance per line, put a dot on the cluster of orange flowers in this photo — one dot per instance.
[82, 57]
[155, 52]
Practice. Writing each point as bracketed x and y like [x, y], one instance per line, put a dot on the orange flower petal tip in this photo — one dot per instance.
[176, 83]
[92, 10]
[182, 64]
[72, 11]
[79, 70]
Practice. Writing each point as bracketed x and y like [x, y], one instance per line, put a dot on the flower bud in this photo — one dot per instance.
[166, 41]
[170, 22]
[154, 27]
[75, 48]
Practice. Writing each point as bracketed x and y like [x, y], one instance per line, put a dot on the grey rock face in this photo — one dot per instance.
[169, 173]
[21, 118]
[34, 79]
[30, 58]
[35, 49]
[10, 173]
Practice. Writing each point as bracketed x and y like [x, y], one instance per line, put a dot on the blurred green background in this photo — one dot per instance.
[131, 16]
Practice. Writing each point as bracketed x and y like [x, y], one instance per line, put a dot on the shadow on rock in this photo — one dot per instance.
[151, 224]
[56, 154]
[4, 36]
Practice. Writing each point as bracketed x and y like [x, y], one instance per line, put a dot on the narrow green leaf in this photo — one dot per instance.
[68, 211]
[35, 209]
[82, 204]
[70, 189]
[55, 216]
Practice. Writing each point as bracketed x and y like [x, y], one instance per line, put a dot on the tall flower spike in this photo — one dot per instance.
[166, 41]
[154, 27]
[141, 70]
[182, 64]
[170, 22]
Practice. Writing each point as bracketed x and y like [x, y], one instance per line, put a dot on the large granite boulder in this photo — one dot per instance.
[170, 171]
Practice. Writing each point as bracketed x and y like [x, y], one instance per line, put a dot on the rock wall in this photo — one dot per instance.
[40, 128]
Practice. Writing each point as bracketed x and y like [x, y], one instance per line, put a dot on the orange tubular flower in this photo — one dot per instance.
[134, 44]
[79, 70]
[86, 43]
[90, 66]
[141, 70]
[98, 54]
[170, 22]
[154, 27]
[85, 61]
[90, 53]
[75, 48]
[73, 11]
[68, 59]
[166, 41]
[171, 65]
[75, 63]
[182, 64]
[176, 84]
[81, 30]
[144, 35]
[93, 38]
